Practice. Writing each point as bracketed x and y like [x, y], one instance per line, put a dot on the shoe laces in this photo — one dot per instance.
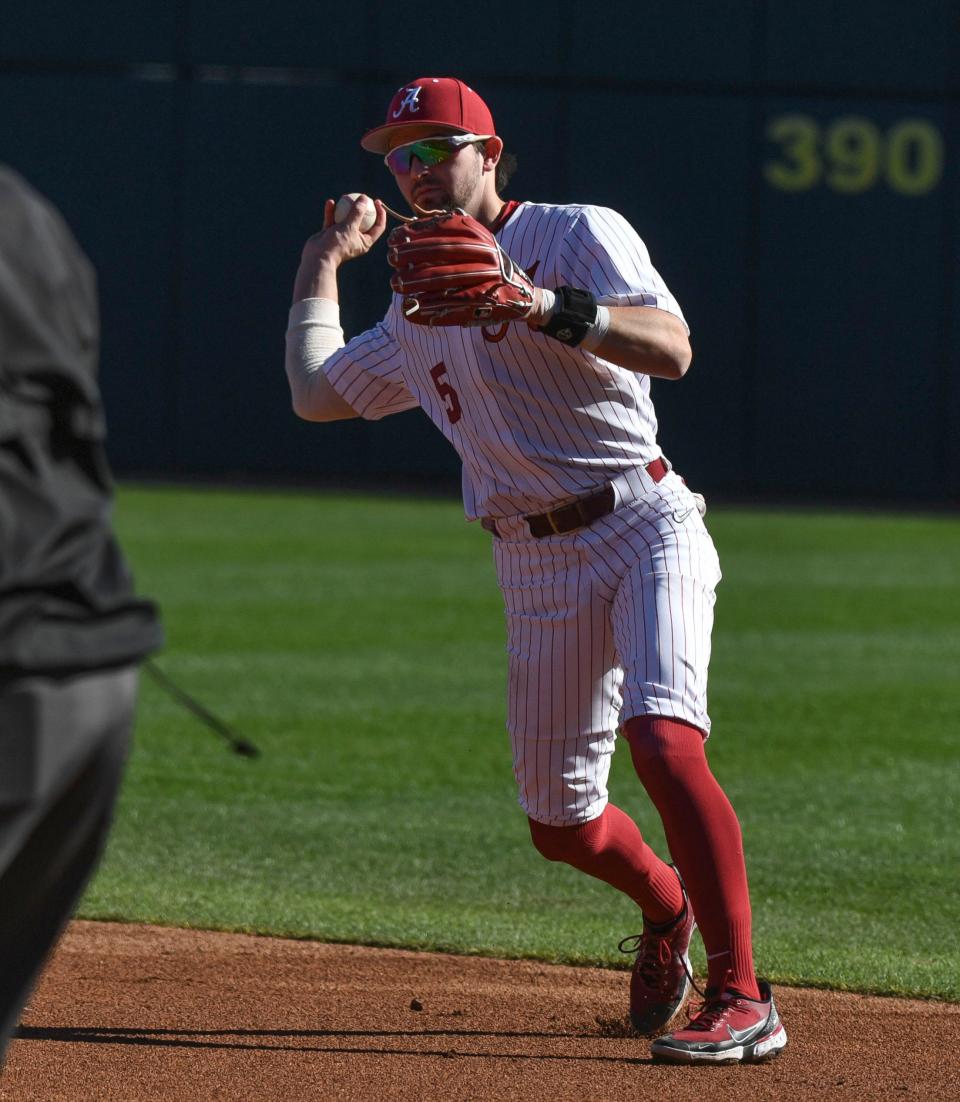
[711, 1012]
[654, 954]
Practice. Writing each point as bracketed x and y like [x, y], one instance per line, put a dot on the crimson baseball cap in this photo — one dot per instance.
[426, 107]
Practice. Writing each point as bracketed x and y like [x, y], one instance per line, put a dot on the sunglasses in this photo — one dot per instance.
[428, 151]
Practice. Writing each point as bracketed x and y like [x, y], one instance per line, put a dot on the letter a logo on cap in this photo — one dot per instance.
[409, 102]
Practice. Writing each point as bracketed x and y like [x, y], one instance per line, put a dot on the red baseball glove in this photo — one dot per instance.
[450, 270]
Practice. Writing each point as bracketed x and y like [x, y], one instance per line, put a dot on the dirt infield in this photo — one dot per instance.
[141, 1012]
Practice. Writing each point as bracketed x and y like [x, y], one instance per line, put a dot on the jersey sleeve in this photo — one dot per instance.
[366, 373]
[604, 254]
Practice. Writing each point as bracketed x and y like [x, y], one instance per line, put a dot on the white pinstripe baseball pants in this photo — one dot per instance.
[603, 624]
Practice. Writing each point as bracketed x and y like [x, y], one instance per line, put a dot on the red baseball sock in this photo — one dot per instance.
[704, 837]
[612, 849]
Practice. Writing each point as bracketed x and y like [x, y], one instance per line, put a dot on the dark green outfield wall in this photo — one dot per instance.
[793, 169]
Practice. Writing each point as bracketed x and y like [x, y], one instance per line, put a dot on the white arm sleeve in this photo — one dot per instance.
[313, 335]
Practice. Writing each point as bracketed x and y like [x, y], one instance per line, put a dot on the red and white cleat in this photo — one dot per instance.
[727, 1029]
[660, 980]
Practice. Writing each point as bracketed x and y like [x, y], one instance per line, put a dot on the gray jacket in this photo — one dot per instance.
[67, 603]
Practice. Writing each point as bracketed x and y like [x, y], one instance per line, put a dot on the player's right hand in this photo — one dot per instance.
[338, 242]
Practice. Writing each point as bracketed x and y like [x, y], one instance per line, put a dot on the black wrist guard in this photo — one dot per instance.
[574, 313]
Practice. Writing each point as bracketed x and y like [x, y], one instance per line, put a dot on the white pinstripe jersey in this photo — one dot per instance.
[534, 421]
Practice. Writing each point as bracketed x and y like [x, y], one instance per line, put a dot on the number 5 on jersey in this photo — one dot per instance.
[451, 403]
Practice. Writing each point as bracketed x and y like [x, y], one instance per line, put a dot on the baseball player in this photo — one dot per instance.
[528, 333]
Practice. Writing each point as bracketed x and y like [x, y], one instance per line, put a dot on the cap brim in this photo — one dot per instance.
[384, 138]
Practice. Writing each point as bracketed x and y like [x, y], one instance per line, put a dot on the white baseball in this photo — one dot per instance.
[344, 206]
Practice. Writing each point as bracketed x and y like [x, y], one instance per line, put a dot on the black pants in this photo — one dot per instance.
[63, 743]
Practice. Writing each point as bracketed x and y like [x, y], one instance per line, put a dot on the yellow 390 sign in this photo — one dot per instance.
[852, 155]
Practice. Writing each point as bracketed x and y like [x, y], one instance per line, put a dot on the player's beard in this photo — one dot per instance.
[431, 199]
[440, 198]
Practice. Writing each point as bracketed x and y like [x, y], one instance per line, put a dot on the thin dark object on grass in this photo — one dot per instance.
[241, 746]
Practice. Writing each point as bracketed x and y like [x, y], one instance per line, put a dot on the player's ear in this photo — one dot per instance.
[491, 153]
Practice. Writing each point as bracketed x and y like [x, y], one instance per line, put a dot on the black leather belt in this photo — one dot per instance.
[579, 513]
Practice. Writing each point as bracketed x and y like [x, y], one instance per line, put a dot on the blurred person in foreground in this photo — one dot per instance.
[71, 630]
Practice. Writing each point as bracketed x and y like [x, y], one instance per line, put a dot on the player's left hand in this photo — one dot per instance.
[450, 270]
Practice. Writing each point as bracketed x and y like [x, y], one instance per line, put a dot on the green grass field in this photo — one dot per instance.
[359, 642]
